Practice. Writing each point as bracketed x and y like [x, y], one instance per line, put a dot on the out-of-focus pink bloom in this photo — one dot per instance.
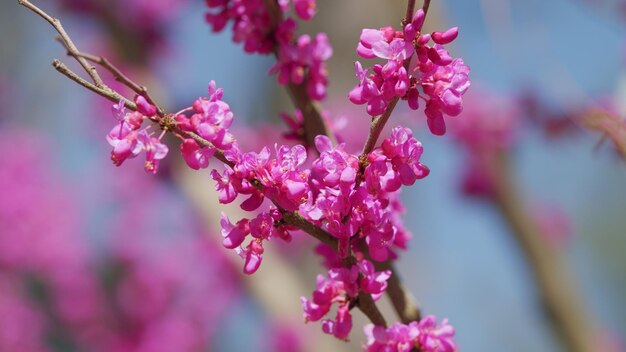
[489, 127]
[284, 337]
[155, 294]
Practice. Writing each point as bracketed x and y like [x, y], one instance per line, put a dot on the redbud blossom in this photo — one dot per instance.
[424, 336]
[441, 78]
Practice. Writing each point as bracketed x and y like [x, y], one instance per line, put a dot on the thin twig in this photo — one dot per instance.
[120, 77]
[102, 91]
[69, 44]
[116, 72]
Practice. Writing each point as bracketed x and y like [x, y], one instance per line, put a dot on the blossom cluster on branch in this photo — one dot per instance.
[300, 60]
[442, 79]
[350, 202]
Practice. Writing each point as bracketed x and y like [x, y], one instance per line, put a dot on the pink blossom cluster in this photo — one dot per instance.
[328, 195]
[327, 191]
[354, 198]
[442, 79]
[342, 286]
[129, 140]
[252, 22]
[424, 336]
[299, 60]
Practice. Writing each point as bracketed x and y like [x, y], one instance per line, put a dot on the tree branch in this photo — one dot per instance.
[91, 71]
[549, 272]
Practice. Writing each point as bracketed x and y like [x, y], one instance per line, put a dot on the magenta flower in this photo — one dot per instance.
[305, 9]
[144, 107]
[342, 286]
[442, 79]
[124, 141]
[373, 282]
[433, 338]
[341, 326]
[404, 152]
[196, 157]
[234, 235]
[155, 151]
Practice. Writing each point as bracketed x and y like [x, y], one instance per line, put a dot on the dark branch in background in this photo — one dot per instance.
[365, 302]
[556, 289]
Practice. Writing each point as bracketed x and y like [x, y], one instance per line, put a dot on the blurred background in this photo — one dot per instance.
[99, 258]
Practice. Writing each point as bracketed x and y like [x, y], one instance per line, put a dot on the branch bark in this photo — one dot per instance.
[555, 286]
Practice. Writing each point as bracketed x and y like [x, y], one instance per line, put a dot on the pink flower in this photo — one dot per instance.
[404, 152]
[305, 9]
[155, 151]
[433, 338]
[144, 107]
[196, 157]
[341, 326]
[373, 282]
[124, 140]
[234, 235]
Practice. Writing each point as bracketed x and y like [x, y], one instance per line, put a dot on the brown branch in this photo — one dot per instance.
[91, 71]
[116, 72]
[555, 286]
[367, 305]
[403, 301]
[103, 91]
[120, 77]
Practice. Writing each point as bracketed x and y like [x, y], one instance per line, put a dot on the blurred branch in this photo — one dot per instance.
[610, 126]
[555, 286]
